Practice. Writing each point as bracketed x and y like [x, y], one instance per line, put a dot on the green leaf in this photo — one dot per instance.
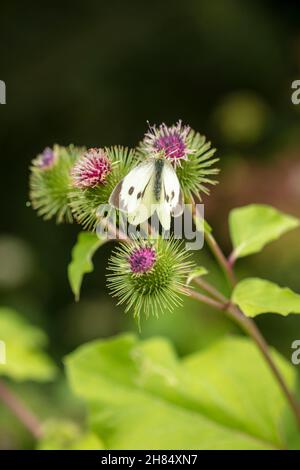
[81, 263]
[253, 226]
[66, 435]
[140, 395]
[22, 347]
[255, 296]
[197, 272]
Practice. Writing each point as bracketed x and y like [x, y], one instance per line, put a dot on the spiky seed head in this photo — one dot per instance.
[189, 152]
[149, 276]
[50, 182]
[85, 201]
[168, 141]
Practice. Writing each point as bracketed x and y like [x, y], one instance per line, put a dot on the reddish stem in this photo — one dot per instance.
[20, 410]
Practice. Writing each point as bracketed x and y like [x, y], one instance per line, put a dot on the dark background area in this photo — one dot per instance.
[92, 73]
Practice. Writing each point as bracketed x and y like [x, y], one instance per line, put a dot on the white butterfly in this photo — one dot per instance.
[150, 186]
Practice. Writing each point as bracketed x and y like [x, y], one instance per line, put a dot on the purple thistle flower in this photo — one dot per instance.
[142, 259]
[91, 169]
[170, 141]
[46, 159]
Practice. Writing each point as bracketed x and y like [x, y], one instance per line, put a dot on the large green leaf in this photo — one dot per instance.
[253, 226]
[140, 395]
[66, 435]
[255, 296]
[82, 253]
[23, 346]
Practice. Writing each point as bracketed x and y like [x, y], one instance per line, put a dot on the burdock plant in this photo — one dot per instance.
[151, 276]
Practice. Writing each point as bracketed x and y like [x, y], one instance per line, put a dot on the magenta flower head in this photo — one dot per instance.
[46, 159]
[171, 141]
[91, 169]
[188, 151]
[142, 259]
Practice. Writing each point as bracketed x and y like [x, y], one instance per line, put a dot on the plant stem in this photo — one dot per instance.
[19, 409]
[214, 247]
[205, 299]
[251, 329]
[218, 253]
[231, 260]
[210, 289]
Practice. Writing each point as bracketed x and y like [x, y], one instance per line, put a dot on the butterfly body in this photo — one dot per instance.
[150, 186]
[159, 165]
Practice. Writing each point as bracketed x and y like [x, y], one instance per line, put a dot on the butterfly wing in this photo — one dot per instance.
[129, 193]
[146, 207]
[164, 216]
[172, 202]
[172, 191]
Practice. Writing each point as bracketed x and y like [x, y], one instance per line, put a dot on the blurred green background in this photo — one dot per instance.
[92, 74]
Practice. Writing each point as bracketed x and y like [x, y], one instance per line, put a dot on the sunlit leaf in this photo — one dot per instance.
[253, 226]
[255, 296]
[140, 395]
[22, 356]
[66, 435]
[81, 264]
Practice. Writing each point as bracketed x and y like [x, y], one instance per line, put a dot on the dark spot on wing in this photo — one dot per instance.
[131, 190]
[139, 195]
[172, 195]
[167, 197]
